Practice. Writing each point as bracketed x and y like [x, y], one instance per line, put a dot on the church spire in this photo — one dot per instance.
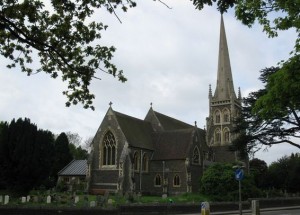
[224, 89]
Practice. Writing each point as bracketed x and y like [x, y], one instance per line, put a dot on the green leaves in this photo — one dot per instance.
[63, 38]
[222, 5]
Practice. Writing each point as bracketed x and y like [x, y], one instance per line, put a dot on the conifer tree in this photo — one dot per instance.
[25, 154]
[62, 154]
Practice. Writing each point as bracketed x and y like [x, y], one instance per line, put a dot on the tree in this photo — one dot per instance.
[259, 171]
[219, 183]
[76, 150]
[284, 174]
[63, 38]
[264, 122]
[276, 15]
[62, 154]
[74, 138]
[25, 155]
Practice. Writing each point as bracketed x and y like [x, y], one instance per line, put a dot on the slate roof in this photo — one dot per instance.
[169, 123]
[74, 168]
[138, 132]
[172, 144]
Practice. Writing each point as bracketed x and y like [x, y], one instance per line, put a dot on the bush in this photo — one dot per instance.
[219, 183]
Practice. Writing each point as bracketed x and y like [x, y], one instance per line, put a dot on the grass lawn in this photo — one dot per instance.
[38, 199]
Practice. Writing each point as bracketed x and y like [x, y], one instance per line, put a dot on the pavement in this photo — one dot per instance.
[249, 211]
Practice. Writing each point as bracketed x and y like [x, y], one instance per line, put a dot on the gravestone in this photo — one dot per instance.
[27, 198]
[1, 199]
[48, 199]
[76, 200]
[109, 201]
[92, 204]
[164, 196]
[23, 199]
[6, 199]
[35, 199]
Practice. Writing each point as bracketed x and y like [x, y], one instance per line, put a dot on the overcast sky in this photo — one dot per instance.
[169, 56]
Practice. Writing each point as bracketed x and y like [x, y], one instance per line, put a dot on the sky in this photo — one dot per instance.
[169, 57]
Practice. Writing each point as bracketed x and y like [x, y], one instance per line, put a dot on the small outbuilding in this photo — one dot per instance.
[74, 174]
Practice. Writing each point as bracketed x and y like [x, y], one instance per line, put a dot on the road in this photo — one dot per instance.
[279, 212]
[269, 211]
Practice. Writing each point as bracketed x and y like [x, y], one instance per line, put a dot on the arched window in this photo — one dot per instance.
[196, 156]
[176, 181]
[145, 162]
[226, 115]
[217, 136]
[109, 149]
[226, 135]
[136, 161]
[157, 180]
[217, 117]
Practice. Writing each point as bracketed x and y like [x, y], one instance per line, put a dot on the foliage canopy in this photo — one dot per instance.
[63, 37]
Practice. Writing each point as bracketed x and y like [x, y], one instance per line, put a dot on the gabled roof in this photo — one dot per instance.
[138, 132]
[169, 123]
[170, 145]
[74, 168]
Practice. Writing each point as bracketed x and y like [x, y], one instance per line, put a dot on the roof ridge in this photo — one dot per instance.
[128, 116]
[173, 118]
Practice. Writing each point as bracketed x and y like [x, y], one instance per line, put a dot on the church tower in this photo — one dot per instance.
[224, 106]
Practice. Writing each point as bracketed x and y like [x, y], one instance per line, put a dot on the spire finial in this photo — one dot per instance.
[151, 104]
[110, 103]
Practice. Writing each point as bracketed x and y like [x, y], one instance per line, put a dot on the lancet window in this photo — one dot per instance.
[109, 149]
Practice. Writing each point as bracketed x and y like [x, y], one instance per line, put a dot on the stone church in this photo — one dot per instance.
[160, 154]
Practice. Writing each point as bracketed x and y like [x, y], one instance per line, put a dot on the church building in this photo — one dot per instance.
[160, 154]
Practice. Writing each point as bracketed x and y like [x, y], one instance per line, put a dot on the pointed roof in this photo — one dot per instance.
[169, 123]
[224, 89]
[170, 145]
[161, 122]
[137, 132]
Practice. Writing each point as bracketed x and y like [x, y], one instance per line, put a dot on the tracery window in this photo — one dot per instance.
[136, 161]
[157, 180]
[226, 135]
[217, 136]
[226, 115]
[176, 181]
[196, 156]
[145, 162]
[217, 117]
[109, 149]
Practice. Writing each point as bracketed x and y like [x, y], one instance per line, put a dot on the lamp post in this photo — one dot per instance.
[239, 175]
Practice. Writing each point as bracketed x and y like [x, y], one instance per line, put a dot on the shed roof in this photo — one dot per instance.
[75, 167]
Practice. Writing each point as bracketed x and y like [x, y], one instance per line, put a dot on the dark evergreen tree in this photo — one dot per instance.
[284, 174]
[259, 171]
[62, 154]
[22, 154]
